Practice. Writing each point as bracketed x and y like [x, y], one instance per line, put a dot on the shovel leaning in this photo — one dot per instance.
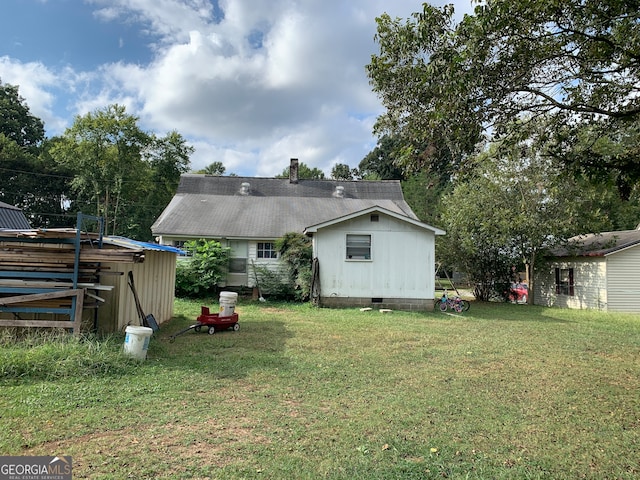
[145, 320]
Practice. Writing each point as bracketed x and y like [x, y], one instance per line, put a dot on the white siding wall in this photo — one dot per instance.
[273, 264]
[622, 280]
[590, 288]
[401, 266]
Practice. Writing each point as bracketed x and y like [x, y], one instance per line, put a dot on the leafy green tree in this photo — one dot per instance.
[304, 172]
[121, 172]
[168, 157]
[32, 181]
[340, 171]
[200, 275]
[573, 61]
[214, 168]
[528, 205]
[104, 149]
[16, 121]
[381, 162]
[424, 193]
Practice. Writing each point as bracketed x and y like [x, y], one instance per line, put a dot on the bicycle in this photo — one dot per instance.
[455, 303]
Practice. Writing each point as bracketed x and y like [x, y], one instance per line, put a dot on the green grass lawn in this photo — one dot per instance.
[500, 392]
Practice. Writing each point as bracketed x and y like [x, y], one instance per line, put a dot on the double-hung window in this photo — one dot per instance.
[358, 247]
[564, 281]
[267, 250]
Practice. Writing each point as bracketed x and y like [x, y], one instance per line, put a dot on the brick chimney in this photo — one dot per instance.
[293, 171]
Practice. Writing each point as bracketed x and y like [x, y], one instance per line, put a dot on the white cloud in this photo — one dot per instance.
[250, 84]
[36, 84]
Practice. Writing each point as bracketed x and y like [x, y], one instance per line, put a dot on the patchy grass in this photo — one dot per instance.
[503, 391]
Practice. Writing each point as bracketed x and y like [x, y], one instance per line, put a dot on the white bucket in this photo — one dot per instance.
[227, 303]
[136, 341]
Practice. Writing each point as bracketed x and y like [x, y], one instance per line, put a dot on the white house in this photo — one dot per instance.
[598, 271]
[375, 257]
[249, 214]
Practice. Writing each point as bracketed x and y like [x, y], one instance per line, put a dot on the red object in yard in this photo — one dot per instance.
[212, 322]
[215, 322]
[519, 292]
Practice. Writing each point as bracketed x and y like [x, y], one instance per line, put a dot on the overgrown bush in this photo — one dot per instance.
[199, 275]
[275, 284]
[296, 253]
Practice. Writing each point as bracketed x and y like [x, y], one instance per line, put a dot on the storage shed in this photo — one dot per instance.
[154, 281]
[71, 279]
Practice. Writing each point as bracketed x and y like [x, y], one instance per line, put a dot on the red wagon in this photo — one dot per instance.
[212, 322]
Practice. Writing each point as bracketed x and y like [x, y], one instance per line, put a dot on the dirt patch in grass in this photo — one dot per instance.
[175, 447]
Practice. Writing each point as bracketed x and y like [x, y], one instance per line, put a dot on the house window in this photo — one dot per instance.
[564, 281]
[267, 250]
[237, 265]
[182, 245]
[358, 247]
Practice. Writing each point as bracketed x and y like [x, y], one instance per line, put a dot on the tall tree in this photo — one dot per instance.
[575, 61]
[104, 150]
[120, 172]
[16, 121]
[381, 163]
[214, 168]
[168, 157]
[341, 171]
[31, 181]
[528, 205]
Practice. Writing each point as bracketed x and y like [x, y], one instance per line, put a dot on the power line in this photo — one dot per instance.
[64, 177]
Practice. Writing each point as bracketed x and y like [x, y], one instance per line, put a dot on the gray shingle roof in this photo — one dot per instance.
[12, 218]
[209, 206]
[599, 244]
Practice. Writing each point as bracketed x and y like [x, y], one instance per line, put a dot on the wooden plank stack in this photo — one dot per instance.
[37, 269]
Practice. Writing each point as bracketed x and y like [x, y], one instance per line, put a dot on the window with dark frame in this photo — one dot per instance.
[564, 281]
[358, 247]
[237, 265]
[267, 250]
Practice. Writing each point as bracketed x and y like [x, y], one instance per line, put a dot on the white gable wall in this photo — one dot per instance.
[401, 265]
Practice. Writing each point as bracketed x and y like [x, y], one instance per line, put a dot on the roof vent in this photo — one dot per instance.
[339, 192]
[245, 188]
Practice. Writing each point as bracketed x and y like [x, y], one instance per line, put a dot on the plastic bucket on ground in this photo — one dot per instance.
[227, 303]
[136, 341]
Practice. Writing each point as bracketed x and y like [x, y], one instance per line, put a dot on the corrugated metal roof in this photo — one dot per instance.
[213, 207]
[599, 244]
[12, 218]
[138, 245]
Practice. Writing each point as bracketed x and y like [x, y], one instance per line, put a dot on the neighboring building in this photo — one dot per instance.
[12, 218]
[598, 271]
[249, 214]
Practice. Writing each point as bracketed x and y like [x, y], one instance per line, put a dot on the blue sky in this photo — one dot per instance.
[250, 83]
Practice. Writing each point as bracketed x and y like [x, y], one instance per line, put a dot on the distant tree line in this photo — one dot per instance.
[103, 165]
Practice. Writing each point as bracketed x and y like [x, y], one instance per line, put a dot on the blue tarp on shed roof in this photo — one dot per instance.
[129, 243]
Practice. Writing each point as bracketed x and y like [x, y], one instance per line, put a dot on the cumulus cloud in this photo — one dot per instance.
[248, 83]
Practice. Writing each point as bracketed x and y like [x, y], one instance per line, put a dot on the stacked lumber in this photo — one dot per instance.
[34, 260]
